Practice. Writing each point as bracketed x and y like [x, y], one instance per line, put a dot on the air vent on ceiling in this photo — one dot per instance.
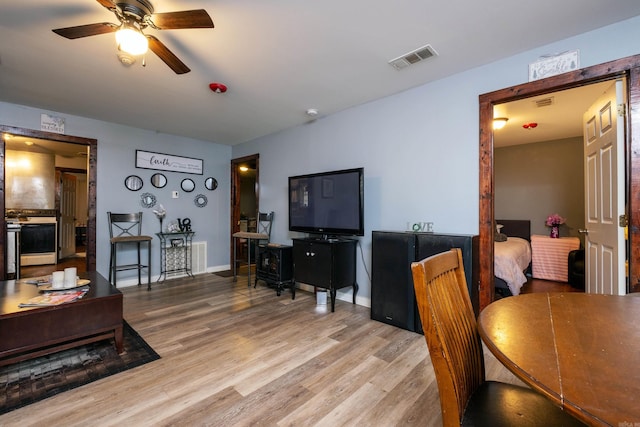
[544, 102]
[413, 57]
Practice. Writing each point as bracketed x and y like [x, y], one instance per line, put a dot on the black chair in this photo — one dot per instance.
[126, 229]
[252, 240]
[576, 268]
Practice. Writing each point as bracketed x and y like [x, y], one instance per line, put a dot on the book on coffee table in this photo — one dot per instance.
[54, 298]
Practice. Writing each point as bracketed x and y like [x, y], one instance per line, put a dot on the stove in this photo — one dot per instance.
[38, 234]
[21, 213]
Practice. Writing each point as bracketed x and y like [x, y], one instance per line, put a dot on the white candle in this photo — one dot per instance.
[70, 275]
[57, 279]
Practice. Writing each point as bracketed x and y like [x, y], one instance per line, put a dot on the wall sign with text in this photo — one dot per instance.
[168, 162]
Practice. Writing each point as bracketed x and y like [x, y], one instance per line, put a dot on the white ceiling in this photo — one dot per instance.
[560, 119]
[278, 58]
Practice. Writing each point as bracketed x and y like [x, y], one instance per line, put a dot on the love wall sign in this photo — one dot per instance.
[168, 162]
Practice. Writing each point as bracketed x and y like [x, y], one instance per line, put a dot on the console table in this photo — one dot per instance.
[326, 263]
[550, 256]
[35, 331]
[175, 253]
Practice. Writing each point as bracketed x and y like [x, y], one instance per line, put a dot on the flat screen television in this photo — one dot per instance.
[328, 203]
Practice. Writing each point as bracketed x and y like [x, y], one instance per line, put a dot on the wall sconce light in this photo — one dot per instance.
[499, 122]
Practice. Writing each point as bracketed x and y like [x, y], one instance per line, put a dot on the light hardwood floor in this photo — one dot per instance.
[239, 356]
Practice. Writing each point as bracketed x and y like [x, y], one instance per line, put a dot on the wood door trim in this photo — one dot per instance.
[92, 175]
[235, 196]
[628, 67]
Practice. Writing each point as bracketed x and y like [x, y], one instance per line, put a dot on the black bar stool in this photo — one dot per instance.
[126, 228]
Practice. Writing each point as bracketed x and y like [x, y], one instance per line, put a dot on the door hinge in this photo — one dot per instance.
[622, 110]
[623, 221]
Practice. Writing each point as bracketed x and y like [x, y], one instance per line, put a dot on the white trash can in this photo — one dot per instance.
[321, 297]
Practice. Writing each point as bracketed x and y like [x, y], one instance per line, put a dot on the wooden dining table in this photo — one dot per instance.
[580, 350]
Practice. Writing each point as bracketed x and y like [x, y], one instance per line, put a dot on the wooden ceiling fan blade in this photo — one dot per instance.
[198, 18]
[167, 56]
[86, 30]
[107, 3]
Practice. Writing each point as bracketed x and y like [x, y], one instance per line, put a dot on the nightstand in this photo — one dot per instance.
[549, 256]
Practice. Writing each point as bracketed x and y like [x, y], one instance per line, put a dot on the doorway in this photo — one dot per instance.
[244, 197]
[86, 145]
[628, 68]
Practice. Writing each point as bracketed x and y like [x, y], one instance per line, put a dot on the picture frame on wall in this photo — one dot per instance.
[168, 162]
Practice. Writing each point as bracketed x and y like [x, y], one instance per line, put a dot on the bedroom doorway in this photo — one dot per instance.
[553, 179]
[628, 68]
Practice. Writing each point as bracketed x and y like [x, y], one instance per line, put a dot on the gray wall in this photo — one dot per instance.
[533, 181]
[419, 148]
[116, 160]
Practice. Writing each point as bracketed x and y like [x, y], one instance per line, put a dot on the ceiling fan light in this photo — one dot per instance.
[131, 41]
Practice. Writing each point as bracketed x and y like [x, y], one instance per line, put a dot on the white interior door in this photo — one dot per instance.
[67, 216]
[604, 169]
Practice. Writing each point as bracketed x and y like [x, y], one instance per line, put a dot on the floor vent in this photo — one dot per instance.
[199, 257]
[198, 260]
[413, 57]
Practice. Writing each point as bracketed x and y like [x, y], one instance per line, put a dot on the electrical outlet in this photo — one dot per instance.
[175, 194]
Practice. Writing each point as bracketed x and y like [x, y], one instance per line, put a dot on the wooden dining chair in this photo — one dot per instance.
[455, 348]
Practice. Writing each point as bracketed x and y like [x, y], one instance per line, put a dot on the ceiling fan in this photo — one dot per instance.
[134, 17]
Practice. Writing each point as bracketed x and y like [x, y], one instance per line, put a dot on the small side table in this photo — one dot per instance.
[175, 253]
[274, 266]
[549, 256]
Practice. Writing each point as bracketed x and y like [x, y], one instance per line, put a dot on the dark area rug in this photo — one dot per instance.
[242, 271]
[226, 273]
[32, 380]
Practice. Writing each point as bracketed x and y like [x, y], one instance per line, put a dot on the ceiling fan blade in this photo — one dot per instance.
[107, 3]
[86, 30]
[167, 56]
[198, 18]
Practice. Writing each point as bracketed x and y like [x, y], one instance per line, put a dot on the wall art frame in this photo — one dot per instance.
[168, 162]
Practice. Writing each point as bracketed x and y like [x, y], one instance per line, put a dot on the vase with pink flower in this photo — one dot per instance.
[554, 221]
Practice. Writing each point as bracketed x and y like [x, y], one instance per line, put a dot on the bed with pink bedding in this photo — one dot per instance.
[513, 257]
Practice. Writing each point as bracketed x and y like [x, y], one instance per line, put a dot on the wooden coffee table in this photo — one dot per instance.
[34, 331]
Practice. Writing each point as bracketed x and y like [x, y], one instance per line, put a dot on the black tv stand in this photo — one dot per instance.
[323, 237]
[326, 263]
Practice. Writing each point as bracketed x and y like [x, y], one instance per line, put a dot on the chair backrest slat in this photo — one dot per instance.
[450, 330]
[265, 220]
[124, 224]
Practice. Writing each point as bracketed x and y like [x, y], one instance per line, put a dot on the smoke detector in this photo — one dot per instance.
[217, 87]
[413, 57]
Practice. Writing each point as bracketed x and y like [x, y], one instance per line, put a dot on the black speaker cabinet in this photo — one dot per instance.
[392, 295]
[392, 299]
